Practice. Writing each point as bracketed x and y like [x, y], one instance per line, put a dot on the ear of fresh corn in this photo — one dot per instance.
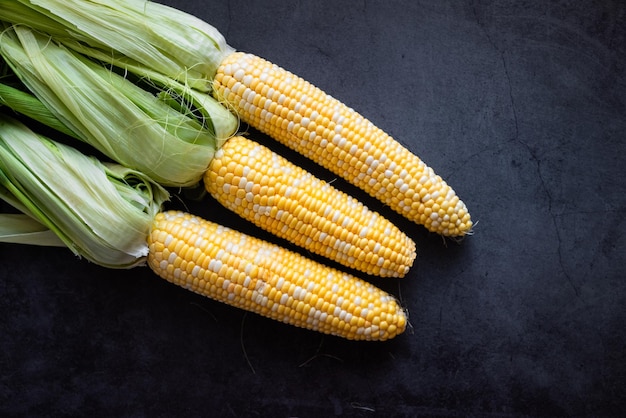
[290, 202]
[101, 212]
[277, 103]
[263, 278]
[117, 117]
[110, 215]
[322, 128]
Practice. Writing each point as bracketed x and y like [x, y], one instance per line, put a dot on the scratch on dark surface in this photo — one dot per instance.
[591, 212]
[230, 19]
[513, 107]
[531, 152]
[544, 187]
[319, 354]
[357, 405]
[243, 345]
[322, 51]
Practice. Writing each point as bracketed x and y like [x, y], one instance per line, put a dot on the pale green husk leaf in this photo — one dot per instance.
[18, 228]
[157, 36]
[101, 212]
[28, 105]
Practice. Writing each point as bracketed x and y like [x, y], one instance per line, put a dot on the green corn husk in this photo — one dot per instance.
[128, 124]
[28, 105]
[171, 41]
[102, 212]
[17, 228]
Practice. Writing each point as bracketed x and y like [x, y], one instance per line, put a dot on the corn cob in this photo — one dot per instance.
[304, 118]
[287, 200]
[257, 276]
[337, 227]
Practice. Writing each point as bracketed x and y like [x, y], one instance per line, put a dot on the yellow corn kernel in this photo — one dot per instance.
[303, 117]
[264, 278]
[291, 203]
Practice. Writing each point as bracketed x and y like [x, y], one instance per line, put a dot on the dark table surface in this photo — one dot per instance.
[519, 105]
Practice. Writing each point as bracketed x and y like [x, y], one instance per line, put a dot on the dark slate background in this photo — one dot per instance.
[519, 105]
